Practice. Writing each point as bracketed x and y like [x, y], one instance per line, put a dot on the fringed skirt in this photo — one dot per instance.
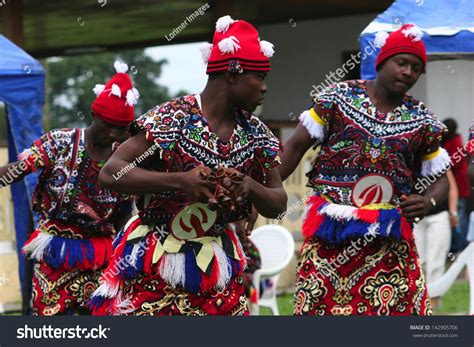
[358, 262]
[156, 274]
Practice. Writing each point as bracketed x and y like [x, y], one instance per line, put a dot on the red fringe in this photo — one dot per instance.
[31, 238]
[208, 282]
[407, 230]
[148, 257]
[312, 223]
[242, 262]
[368, 216]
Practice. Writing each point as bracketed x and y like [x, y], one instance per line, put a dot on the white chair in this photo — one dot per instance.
[276, 247]
[441, 286]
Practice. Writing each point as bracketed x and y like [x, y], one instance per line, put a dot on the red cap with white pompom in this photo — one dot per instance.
[236, 47]
[116, 100]
[407, 39]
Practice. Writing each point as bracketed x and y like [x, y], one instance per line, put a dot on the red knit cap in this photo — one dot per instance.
[115, 101]
[236, 47]
[407, 39]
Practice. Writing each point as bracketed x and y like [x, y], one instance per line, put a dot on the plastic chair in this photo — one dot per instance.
[441, 286]
[276, 247]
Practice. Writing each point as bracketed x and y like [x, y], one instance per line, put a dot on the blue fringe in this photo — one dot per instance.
[385, 218]
[129, 270]
[334, 231]
[96, 301]
[192, 282]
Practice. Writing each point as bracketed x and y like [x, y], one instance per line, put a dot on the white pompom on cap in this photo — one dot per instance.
[414, 32]
[223, 24]
[99, 88]
[206, 49]
[267, 48]
[380, 39]
[229, 45]
[120, 67]
[116, 91]
[132, 97]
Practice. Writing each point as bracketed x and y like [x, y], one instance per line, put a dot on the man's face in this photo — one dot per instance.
[400, 72]
[249, 89]
[109, 133]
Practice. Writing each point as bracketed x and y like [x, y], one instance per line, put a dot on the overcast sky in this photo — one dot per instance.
[185, 69]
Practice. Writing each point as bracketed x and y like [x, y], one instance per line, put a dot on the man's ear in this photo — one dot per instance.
[230, 78]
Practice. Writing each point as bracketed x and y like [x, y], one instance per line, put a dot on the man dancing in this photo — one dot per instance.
[211, 160]
[359, 256]
[78, 218]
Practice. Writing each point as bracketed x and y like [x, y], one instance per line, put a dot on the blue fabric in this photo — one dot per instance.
[22, 91]
[192, 281]
[426, 15]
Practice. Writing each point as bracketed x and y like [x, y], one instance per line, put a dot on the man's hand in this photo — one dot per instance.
[415, 207]
[195, 185]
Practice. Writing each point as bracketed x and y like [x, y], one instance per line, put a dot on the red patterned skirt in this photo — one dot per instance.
[56, 291]
[381, 277]
[152, 296]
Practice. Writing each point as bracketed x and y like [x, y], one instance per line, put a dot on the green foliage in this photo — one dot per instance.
[70, 81]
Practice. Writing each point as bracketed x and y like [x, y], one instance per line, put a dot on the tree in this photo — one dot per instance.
[70, 81]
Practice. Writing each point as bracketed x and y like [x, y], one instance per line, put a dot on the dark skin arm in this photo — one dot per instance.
[418, 206]
[269, 200]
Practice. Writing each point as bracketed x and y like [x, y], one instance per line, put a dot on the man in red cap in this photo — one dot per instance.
[212, 158]
[78, 218]
[377, 145]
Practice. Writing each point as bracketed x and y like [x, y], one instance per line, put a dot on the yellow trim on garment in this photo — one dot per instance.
[316, 117]
[431, 156]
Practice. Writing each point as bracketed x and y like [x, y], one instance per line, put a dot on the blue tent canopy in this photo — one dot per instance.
[22, 91]
[448, 27]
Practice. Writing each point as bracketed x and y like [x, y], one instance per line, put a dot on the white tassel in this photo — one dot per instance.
[229, 45]
[120, 67]
[25, 154]
[414, 32]
[223, 24]
[131, 99]
[315, 130]
[99, 88]
[267, 48]
[106, 290]
[380, 39]
[172, 269]
[439, 164]
[37, 247]
[338, 212]
[206, 49]
[123, 306]
[116, 91]
[134, 254]
[225, 267]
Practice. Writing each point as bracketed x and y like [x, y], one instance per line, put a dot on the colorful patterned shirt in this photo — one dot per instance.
[367, 156]
[68, 191]
[185, 141]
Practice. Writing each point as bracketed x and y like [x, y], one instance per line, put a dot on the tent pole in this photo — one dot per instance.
[13, 21]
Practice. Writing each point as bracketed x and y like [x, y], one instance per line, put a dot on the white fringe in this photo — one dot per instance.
[172, 269]
[106, 290]
[437, 165]
[25, 154]
[229, 45]
[120, 67]
[123, 306]
[133, 255]
[223, 23]
[116, 91]
[267, 48]
[206, 50]
[414, 32]
[315, 130]
[225, 267]
[99, 88]
[380, 39]
[37, 247]
[339, 212]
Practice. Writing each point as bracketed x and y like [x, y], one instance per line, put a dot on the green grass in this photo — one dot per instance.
[455, 301]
